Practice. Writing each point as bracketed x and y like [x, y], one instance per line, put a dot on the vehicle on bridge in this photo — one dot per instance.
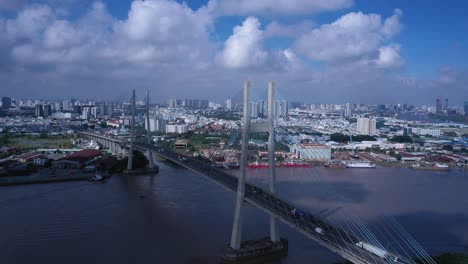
[182, 158]
[319, 231]
[298, 213]
[382, 253]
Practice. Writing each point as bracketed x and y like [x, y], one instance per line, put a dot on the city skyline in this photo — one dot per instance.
[327, 51]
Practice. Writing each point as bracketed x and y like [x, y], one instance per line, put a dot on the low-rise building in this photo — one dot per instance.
[312, 151]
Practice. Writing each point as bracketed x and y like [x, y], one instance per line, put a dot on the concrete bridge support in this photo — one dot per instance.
[274, 233]
[266, 246]
[236, 236]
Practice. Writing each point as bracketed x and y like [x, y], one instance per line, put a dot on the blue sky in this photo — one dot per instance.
[335, 50]
[434, 33]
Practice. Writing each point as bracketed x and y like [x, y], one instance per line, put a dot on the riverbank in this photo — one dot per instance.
[48, 176]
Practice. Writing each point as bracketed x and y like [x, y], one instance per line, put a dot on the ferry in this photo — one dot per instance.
[361, 165]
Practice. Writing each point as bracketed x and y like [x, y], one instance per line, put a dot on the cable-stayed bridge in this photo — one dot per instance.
[352, 240]
[335, 238]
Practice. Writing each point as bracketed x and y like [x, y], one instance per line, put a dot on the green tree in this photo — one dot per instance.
[402, 139]
[5, 139]
[447, 147]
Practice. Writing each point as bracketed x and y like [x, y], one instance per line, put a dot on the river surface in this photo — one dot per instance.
[180, 217]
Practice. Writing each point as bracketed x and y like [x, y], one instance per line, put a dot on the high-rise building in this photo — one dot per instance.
[466, 108]
[280, 108]
[348, 110]
[254, 109]
[77, 109]
[86, 113]
[366, 126]
[157, 124]
[95, 112]
[47, 110]
[438, 106]
[57, 106]
[172, 103]
[203, 104]
[66, 106]
[39, 110]
[228, 104]
[6, 103]
[445, 106]
[109, 109]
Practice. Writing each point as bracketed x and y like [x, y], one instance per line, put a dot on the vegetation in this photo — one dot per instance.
[402, 139]
[338, 137]
[41, 141]
[4, 139]
[450, 133]
[447, 147]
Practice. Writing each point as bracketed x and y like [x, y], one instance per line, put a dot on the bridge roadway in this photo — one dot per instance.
[333, 238]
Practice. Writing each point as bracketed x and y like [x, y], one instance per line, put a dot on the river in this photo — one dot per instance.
[180, 217]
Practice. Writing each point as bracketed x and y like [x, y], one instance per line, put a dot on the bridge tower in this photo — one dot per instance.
[274, 234]
[236, 236]
[148, 132]
[130, 151]
[235, 251]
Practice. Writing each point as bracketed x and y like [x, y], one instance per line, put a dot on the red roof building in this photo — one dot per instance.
[83, 155]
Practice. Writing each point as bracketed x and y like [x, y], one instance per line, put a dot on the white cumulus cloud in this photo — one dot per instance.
[354, 36]
[389, 56]
[278, 7]
[244, 47]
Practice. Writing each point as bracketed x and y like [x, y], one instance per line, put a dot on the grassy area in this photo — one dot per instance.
[35, 142]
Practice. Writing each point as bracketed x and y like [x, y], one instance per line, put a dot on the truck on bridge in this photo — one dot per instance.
[382, 253]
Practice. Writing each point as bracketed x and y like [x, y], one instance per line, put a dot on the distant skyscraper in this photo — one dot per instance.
[66, 106]
[366, 126]
[39, 110]
[172, 103]
[254, 109]
[203, 104]
[228, 104]
[86, 114]
[109, 109]
[445, 106]
[438, 106]
[95, 111]
[466, 108]
[77, 109]
[47, 110]
[348, 110]
[157, 124]
[280, 108]
[6, 103]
